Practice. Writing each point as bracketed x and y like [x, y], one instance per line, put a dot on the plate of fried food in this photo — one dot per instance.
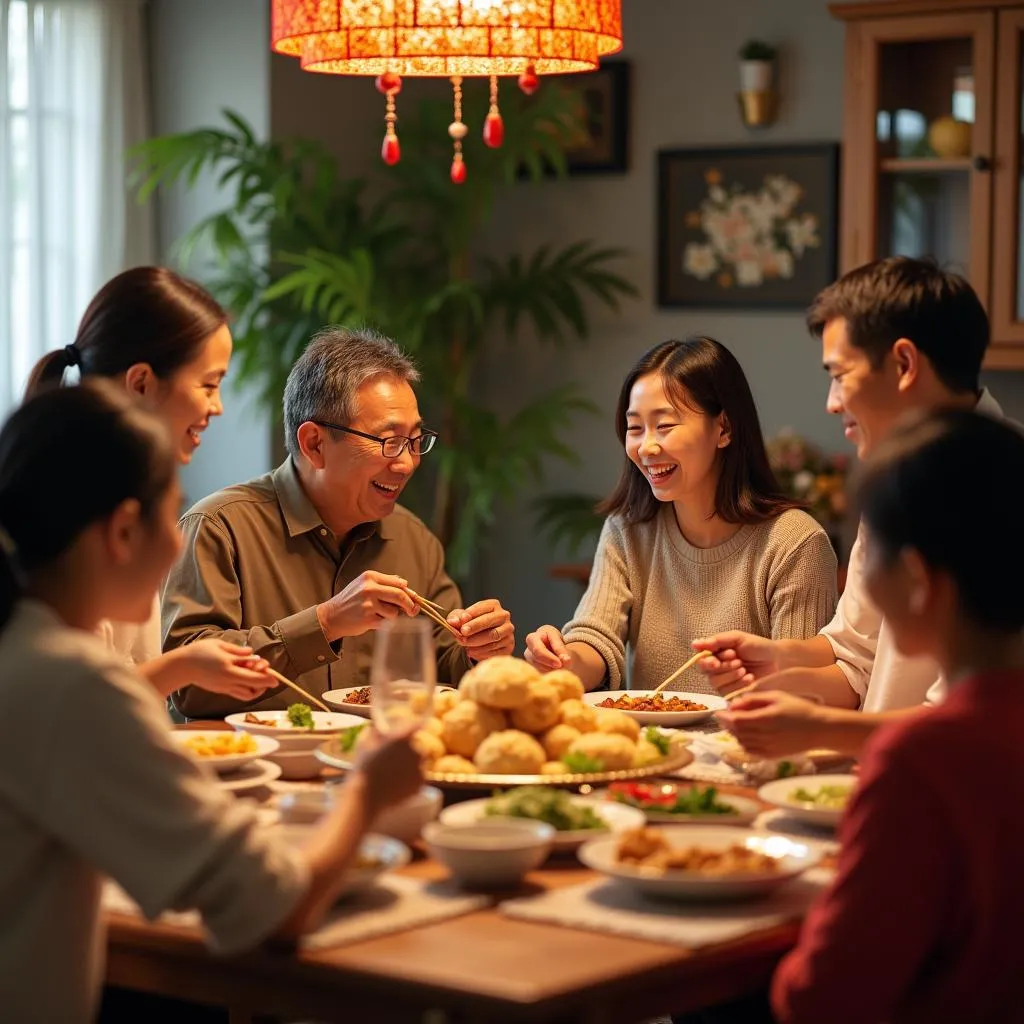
[221, 749]
[509, 725]
[670, 708]
[704, 862]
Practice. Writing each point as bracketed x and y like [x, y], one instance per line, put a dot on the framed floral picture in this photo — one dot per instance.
[751, 227]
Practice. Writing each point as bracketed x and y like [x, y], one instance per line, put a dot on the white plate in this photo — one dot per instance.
[746, 810]
[795, 857]
[389, 854]
[324, 723]
[336, 699]
[226, 762]
[673, 719]
[618, 817]
[780, 794]
[250, 776]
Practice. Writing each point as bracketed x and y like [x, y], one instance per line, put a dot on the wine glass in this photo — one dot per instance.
[403, 674]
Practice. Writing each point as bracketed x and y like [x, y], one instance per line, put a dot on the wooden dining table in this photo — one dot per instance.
[477, 968]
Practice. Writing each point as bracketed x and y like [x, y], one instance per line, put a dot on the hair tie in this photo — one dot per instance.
[73, 355]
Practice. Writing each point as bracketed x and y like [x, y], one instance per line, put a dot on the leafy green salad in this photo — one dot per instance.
[553, 806]
[828, 798]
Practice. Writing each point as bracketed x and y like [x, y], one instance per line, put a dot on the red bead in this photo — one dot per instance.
[494, 131]
[391, 151]
[389, 82]
[458, 171]
[528, 81]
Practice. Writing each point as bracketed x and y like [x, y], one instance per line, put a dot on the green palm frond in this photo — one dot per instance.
[568, 518]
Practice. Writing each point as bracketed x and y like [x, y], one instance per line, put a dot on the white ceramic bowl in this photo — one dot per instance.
[490, 854]
[297, 764]
[336, 699]
[405, 821]
[276, 724]
[386, 853]
[672, 719]
[617, 818]
[794, 857]
[781, 794]
[222, 762]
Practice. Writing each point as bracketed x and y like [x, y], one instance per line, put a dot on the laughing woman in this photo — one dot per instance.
[165, 340]
[698, 531]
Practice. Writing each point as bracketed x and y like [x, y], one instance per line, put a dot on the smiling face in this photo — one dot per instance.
[674, 446]
[191, 396]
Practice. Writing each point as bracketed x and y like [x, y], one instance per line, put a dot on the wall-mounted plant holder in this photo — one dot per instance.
[758, 99]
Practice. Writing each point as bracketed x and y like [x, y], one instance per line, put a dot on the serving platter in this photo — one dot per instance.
[331, 755]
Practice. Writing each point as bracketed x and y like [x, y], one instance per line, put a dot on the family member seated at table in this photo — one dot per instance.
[897, 335]
[699, 534]
[923, 920]
[166, 340]
[302, 564]
[91, 785]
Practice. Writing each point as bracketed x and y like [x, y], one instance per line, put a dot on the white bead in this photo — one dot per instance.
[457, 130]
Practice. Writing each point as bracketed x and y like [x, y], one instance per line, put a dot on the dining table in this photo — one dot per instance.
[476, 968]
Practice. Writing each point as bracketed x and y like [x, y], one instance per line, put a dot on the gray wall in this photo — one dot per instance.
[208, 55]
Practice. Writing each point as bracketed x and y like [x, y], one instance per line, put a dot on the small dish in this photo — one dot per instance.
[297, 765]
[182, 738]
[250, 776]
[405, 821]
[276, 724]
[493, 854]
[782, 793]
[336, 699]
[711, 701]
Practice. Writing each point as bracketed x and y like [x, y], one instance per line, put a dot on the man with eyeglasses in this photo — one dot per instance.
[304, 563]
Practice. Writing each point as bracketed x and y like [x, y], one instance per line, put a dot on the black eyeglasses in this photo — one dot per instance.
[391, 447]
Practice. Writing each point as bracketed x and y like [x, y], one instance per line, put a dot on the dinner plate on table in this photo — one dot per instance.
[673, 719]
[276, 724]
[185, 738]
[652, 797]
[250, 776]
[617, 818]
[336, 699]
[784, 793]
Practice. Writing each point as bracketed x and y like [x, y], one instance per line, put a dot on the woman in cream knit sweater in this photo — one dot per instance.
[699, 537]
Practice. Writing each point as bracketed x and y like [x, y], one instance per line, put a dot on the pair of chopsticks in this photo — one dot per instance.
[434, 611]
[682, 668]
[298, 689]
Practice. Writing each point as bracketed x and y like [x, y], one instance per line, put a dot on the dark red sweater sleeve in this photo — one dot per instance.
[867, 938]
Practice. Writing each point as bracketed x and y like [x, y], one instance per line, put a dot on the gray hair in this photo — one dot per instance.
[337, 362]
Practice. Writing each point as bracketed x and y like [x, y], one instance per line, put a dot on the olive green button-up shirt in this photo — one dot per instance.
[258, 559]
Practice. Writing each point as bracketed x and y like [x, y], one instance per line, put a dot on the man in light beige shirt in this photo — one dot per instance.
[304, 563]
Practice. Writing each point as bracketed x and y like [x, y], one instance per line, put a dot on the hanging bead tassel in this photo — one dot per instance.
[390, 85]
[457, 131]
[494, 127]
[528, 80]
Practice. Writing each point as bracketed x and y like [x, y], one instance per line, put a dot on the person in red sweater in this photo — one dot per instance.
[923, 921]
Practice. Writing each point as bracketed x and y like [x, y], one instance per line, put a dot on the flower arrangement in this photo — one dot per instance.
[810, 475]
[751, 236]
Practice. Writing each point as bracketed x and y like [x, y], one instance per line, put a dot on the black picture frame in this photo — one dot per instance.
[605, 94]
[747, 227]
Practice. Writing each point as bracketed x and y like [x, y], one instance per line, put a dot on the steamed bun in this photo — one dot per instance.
[434, 725]
[454, 763]
[646, 753]
[620, 722]
[615, 752]
[465, 726]
[540, 709]
[502, 682]
[567, 683]
[557, 740]
[444, 701]
[553, 768]
[427, 745]
[509, 752]
[579, 715]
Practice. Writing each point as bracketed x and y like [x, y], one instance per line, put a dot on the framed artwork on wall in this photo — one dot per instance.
[603, 145]
[747, 228]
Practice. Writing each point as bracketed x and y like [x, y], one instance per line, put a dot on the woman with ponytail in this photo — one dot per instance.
[91, 785]
[166, 340]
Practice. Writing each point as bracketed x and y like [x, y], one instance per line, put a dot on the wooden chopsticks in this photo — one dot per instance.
[688, 664]
[741, 691]
[298, 689]
[436, 612]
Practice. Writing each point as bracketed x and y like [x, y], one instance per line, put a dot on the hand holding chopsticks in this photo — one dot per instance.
[436, 612]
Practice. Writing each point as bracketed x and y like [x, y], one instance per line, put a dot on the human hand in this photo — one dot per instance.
[391, 768]
[221, 667]
[370, 599]
[775, 724]
[737, 659]
[546, 650]
[486, 629]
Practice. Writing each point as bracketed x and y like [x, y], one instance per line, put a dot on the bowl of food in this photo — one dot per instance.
[814, 799]
[377, 855]
[508, 725]
[700, 862]
[675, 803]
[297, 728]
[222, 750]
[405, 821]
[670, 708]
[575, 819]
[489, 854]
[297, 765]
[354, 700]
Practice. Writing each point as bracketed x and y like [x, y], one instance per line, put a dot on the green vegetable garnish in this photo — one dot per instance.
[657, 739]
[347, 737]
[540, 803]
[301, 716]
[832, 798]
[786, 768]
[582, 764]
[669, 800]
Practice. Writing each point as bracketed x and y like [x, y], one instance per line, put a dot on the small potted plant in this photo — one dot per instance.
[757, 66]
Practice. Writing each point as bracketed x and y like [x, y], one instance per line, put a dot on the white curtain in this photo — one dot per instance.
[73, 98]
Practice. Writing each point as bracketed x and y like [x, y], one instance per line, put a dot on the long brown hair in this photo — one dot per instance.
[143, 315]
[703, 375]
